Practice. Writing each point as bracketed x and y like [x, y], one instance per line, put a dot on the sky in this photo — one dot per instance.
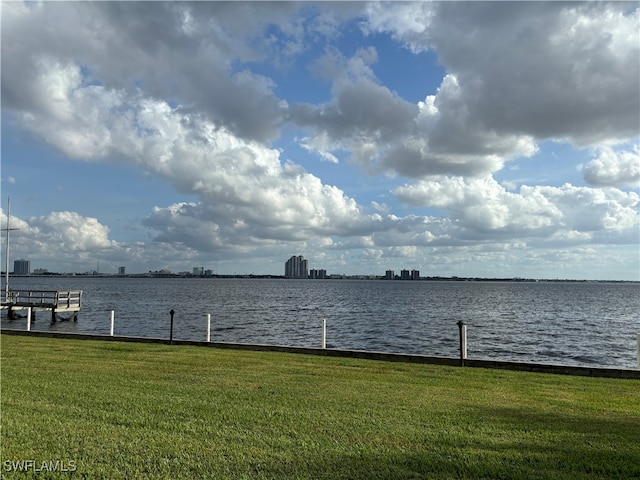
[474, 139]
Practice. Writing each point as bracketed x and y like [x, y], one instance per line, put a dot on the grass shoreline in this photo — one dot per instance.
[552, 368]
[129, 410]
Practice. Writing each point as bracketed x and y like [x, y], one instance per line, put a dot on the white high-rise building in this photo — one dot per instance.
[296, 267]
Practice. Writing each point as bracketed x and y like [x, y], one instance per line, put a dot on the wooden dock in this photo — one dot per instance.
[55, 300]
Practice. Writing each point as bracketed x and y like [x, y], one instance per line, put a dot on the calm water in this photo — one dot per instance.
[563, 323]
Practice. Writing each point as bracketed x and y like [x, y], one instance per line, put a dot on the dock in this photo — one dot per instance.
[55, 300]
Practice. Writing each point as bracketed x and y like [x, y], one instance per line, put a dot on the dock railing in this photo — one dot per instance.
[59, 300]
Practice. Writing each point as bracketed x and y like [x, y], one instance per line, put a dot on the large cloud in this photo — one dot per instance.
[384, 133]
[483, 209]
[518, 73]
[240, 182]
[549, 70]
[65, 236]
[173, 50]
[83, 244]
[72, 231]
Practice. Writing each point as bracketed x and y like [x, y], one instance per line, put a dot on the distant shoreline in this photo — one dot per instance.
[330, 277]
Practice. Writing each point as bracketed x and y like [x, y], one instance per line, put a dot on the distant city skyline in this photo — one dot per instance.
[296, 263]
[467, 139]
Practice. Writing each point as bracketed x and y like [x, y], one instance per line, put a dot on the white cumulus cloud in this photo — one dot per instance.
[614, 168]
[481, 206]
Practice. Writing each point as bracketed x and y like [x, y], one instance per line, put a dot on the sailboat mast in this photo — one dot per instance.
[6, 254]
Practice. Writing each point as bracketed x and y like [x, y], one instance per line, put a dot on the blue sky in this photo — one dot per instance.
[493, 139]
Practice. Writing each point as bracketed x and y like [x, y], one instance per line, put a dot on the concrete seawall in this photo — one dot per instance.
[367, 355]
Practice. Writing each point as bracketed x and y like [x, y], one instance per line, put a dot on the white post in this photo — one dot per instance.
[324, 333]
[464, 342]
[462, 327]
[29, 319]
[113, 321]
[208, 327]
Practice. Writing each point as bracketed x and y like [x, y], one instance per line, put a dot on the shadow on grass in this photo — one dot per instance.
[560, 445]
[523, 444]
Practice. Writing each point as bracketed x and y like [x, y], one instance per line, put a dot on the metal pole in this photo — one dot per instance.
[113, 321]
[171, 328]
[463, 342]
[29, 319]
[208, 327]
[6, 255]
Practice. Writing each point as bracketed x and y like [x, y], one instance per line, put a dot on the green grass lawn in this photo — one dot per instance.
[126, 410]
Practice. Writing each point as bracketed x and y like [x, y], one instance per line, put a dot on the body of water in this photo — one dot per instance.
[588, 324]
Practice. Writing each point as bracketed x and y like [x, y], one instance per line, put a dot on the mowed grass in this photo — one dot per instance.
[127, 410]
